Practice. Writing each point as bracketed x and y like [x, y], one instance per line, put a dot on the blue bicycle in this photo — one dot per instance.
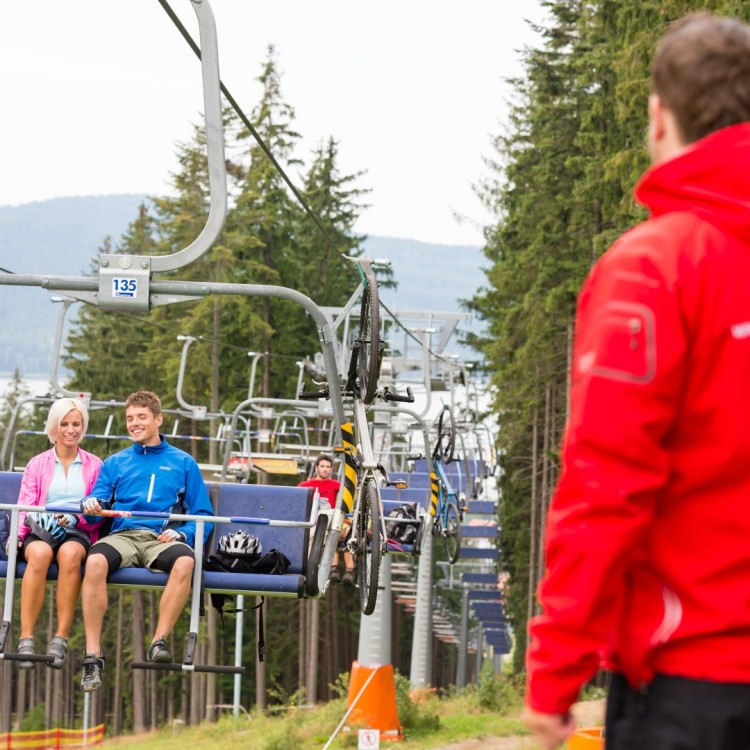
[444, 506]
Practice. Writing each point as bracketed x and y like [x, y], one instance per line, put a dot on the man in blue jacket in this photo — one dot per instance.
[151, 475]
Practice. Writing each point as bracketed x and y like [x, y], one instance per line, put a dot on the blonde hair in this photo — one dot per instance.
[57, 413]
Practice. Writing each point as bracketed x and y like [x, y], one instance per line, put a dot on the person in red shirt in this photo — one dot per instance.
[329, 489]
[648, 533]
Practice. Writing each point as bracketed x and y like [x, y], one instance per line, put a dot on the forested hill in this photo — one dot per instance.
[62, 236]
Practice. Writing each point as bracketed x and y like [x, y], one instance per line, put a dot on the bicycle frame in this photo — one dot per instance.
[447, 493]
[361, 497]
[446, 511]
[366, 467]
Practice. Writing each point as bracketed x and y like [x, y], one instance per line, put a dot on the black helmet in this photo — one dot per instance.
[239, 543]
[46, 527]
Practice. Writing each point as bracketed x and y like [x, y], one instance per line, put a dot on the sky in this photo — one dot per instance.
[97, 94]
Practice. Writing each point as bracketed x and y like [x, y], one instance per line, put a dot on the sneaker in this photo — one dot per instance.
[93, 666]
[58, 650]
[335, 576]
[159, 652]
[349, 576]
[26, 646]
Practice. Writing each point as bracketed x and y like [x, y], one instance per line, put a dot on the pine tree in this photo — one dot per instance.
[561, 188]
[259, 229]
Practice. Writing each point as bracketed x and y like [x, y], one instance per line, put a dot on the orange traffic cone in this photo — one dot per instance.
[372, 700]
[587, 739]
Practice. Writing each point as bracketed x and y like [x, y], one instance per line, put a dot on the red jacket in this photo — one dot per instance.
[648, 536]
[327, 488]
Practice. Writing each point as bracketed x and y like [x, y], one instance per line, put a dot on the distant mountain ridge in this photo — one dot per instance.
[62, 237]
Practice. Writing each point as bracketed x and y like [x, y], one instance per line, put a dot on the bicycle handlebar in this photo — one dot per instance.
[407, 399]
[304, 395]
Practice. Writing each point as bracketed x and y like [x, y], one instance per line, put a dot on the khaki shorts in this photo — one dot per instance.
[138, 548]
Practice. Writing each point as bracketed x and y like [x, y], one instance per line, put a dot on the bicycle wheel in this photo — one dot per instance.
[370, 351]
[452, 532]
[369, 547]
[446, 438]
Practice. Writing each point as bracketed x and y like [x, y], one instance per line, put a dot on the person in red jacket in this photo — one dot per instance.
[648, 535]
[328, 489]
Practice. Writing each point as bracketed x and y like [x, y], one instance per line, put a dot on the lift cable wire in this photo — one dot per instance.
[233, 102]
[196, 49]
[236, 107]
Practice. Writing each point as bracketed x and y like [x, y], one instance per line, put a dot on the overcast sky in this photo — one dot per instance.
[97, 93]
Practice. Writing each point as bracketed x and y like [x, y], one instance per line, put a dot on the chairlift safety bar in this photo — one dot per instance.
[251, 520]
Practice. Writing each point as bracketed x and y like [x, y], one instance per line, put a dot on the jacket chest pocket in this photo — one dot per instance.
[625, 335]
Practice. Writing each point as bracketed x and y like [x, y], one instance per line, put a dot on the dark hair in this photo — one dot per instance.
[701, 72]
[144, 398]
[323, 457]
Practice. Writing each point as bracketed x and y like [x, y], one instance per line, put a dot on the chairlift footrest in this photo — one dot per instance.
[179, 667]
[41, 658]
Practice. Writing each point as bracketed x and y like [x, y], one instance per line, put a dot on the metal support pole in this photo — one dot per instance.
[238, 629]
[421, 652]
[463, 641]
[375, 630]
[479, 655]
[12, 557]
[86, 715]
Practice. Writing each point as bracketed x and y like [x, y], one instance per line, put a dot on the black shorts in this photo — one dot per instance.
[83, 540]
[678, 713]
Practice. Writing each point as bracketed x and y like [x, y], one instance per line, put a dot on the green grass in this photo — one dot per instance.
[430, 724]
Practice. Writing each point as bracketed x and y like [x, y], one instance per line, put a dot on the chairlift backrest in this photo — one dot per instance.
[10, 486]
[268, 501]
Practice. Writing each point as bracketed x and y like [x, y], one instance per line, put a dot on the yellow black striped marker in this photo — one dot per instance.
[350, 471]
[434, 499]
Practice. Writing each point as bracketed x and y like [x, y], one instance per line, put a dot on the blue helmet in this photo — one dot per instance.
[46, 527]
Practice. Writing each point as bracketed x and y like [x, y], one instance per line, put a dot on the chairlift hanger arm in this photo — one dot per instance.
[246, 122]
[198, 412]
[124, 281]
[217, 177]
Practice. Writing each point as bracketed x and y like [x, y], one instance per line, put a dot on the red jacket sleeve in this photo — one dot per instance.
[625, 385]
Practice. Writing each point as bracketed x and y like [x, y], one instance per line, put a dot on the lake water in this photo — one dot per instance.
[37, 382]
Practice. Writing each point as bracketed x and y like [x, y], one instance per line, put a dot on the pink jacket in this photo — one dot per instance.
[37, 477]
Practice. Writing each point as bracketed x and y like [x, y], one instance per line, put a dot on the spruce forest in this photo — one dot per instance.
[559, 185]
[561, 180]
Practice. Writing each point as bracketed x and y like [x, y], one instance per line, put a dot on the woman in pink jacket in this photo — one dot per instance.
[60, 477]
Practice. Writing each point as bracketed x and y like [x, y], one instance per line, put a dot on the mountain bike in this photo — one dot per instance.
[367, 347]
[445, 506]
[368, 540]
[361, 491]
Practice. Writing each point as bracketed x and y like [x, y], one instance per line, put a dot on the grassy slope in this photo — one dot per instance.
[436, 723]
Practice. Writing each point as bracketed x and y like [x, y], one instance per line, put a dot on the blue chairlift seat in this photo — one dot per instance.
[233, 500]
[479, 553]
